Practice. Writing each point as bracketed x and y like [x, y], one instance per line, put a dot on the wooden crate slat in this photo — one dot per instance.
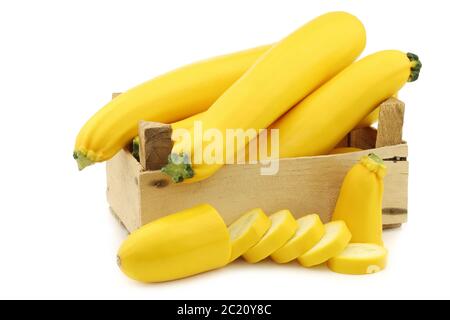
[303, 185]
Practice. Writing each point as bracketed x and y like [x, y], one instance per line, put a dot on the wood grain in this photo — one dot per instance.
[155, 144]
[363, 138]
[390, 125]
[303, 185]
[123, 190]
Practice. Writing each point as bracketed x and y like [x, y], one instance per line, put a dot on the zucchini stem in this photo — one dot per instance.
[376, 159]
[375, 164]
[178, 167]
[82, 160]
[135, 148]
[416, 65]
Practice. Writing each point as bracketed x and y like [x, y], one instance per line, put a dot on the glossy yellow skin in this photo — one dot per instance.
[168, 98]
[359, 259]
[288, 72]
[187, 123]
[309, 232]
[360, 201]
[371, 118]
[176, 246]
[335, 240]
[246, 231]
[282, 228]
[322, 120]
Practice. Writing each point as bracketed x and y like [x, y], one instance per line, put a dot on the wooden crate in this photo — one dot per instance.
[303, 185]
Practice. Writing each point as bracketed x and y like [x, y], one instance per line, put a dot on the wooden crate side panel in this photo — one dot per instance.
[123, 192]
[395, 201]
[303, 185]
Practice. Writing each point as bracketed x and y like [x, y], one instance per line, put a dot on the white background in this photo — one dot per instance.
[60, 61]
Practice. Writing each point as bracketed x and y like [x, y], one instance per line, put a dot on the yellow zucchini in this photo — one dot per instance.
[246, 231]
[360, 200]
[309, 232]
[322, 120]
[187, 123]
[282, 228]
[335, 240]
[371, 118]
[176, 246]
[359, 259]
[288, 72]
[168, 98]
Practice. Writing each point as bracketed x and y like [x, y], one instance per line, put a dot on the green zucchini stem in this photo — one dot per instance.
[135, 148]
[416, 65]
[82, 160]
[178, 167]
[375, 158]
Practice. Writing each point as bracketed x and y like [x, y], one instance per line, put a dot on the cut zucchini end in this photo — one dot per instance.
[360, 259]
[178, 167]
[82, 160]
[336, 238]
[283, 226]
[310, 230]
[243, 224]
[246, 231]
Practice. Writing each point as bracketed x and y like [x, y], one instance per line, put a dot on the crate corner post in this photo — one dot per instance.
[123, 189]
